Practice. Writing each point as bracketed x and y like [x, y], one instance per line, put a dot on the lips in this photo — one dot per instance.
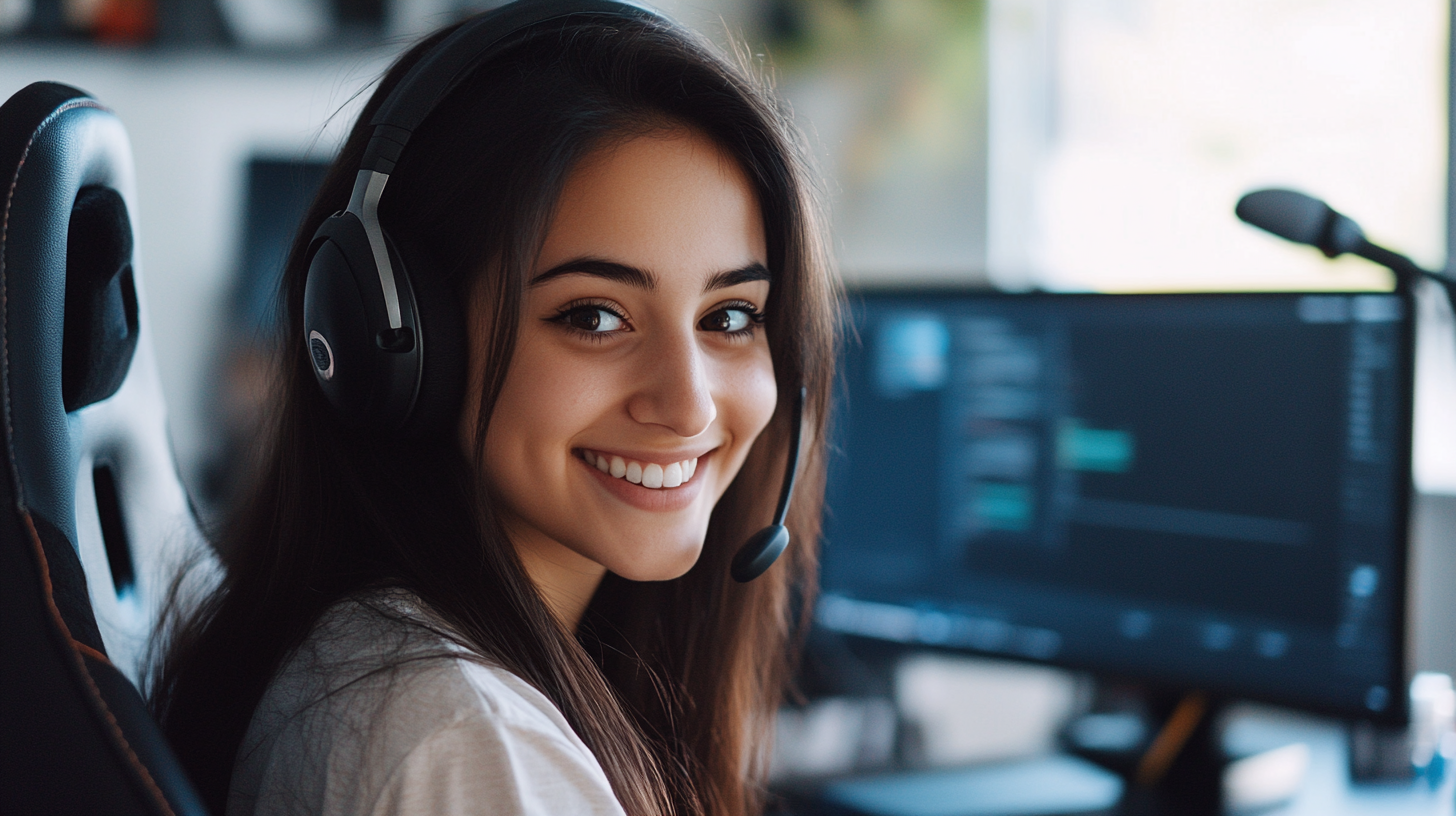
[651, 475]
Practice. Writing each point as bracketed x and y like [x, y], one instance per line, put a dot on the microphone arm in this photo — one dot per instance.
[1303, 219]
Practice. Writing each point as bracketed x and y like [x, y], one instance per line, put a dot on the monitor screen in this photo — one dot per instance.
[1204, 491]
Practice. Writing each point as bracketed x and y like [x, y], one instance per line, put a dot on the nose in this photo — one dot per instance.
[674, 389]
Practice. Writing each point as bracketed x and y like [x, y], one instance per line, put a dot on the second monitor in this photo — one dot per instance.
[1202, 491]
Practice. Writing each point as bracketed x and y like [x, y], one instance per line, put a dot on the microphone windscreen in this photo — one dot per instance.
[759, 553]
[1291, 215]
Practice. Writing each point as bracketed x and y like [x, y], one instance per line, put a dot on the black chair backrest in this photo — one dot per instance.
[94, 523]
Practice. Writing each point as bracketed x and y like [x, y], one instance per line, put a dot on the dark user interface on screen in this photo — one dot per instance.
[1206, 490]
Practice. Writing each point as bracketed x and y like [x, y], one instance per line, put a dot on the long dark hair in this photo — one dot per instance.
[671, 684]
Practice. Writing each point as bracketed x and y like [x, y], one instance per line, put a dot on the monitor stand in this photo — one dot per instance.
[1172, 764]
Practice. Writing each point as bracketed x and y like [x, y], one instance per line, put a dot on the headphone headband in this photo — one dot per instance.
[368, 319]
[451, 61]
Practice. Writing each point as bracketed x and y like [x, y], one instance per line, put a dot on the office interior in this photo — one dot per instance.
[1017, 146]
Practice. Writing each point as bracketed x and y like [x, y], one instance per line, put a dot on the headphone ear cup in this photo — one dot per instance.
[443, 344]
[335, 329]
[370, 378]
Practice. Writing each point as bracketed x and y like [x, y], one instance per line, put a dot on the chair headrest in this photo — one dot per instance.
[58, 141]
[92, 514]
[85, 431]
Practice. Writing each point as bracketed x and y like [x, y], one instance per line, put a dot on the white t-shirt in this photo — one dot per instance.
[367, 717]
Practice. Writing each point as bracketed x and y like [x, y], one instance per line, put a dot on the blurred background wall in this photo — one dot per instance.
[1057, 144]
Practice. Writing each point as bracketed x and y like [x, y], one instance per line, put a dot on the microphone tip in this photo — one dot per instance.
[1290, 214]
[759, 552]
[1300, 218]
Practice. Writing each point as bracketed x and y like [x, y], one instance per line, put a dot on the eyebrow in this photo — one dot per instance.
[733, 277]
[607, 270]
[642, 279]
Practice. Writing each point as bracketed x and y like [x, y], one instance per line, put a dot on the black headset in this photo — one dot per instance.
[388, 345]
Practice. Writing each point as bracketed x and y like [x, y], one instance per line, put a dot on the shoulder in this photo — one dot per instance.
[486, 763]
[379, 713]
[508, 751]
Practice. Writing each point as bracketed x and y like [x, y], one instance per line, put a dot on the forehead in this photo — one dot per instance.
[671, 203]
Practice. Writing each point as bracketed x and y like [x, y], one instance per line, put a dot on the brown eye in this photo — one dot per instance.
[727, 320]
[593, 319]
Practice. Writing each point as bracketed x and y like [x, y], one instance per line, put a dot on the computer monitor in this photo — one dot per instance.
[1201, 491]
[279, 191]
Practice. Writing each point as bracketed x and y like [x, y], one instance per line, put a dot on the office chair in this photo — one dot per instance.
[94, 523]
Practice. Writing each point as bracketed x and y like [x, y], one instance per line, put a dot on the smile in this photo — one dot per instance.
[650, 475]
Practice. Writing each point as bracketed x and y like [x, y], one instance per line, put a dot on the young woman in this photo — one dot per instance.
[524, 604]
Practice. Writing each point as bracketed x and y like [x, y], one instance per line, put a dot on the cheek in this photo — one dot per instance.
[547, 397]
[750, 395]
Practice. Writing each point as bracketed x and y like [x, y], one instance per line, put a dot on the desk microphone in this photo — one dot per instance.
[1303, 219]
[765, 546]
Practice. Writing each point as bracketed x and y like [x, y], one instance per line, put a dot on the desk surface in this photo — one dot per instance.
[991, 790]
[1327, 790]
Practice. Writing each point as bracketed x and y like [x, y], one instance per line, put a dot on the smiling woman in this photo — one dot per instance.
[642, 344]
[515, 597]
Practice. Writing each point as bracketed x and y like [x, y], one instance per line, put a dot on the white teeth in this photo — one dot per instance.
[650, 475]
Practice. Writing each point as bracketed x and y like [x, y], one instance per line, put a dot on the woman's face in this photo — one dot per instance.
[641, 373]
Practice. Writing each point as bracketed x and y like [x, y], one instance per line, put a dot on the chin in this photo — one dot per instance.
[659, 562]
